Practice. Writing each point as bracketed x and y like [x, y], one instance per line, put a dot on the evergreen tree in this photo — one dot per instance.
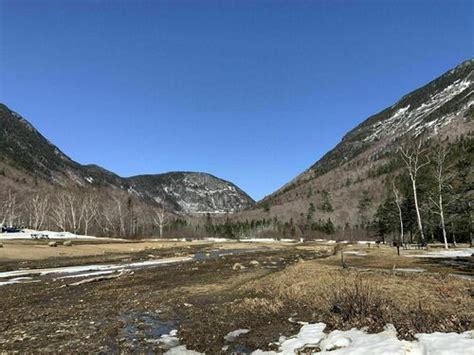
[363, 206]
[310, 214]
[326, 205]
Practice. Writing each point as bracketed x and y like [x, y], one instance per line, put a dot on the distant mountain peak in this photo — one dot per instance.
[191, 192]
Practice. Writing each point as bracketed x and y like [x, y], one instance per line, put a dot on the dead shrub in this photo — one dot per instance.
[257, 306]
[423, 319]
[359, 303]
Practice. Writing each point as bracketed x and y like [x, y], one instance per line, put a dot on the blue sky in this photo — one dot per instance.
[251, 91]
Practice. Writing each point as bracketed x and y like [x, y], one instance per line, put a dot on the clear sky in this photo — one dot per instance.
[250, 91]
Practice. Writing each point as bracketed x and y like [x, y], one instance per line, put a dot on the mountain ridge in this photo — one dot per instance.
[25, 149]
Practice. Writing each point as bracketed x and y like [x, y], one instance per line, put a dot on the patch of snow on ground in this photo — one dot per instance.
[170, 342]
[408, 269]
[17, 280]
[453, 253]
[359, 342]
[463, 277]
[447, 343]
[231, 336]
[86, 270]
[266, 240]
[355, 253]
[95, 273]
[217, 240]
[181, 350]
[32, 234]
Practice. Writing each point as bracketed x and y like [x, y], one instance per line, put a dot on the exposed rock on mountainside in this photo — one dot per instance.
[191, 192]
[426, 110]
[444, 107]
[28, 159]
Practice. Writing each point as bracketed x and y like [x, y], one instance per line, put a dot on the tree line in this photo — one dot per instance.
[82, 212]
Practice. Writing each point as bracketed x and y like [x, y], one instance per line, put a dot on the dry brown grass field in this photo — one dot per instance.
[278, 285]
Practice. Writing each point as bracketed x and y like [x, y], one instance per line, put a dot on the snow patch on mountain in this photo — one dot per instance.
[413, 119]
[191, 192]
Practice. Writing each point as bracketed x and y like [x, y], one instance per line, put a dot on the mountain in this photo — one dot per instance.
[191, 192]
[23, 148]
[28, 161]
[361, 161]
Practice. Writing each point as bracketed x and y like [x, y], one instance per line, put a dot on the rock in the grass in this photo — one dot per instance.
[53, 244]
[238, 266]
[67, 243]
[1, 245]
[254, 263]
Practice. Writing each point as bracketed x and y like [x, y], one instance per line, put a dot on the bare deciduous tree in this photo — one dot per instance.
[104, 220]
[120, 216]
[38, 211]
[442, 180]
[73, 211]
[396, 194]
[161, 219]
[60, 212]
[415, 159]
[89, 211]
[10, 209]
[3, 212]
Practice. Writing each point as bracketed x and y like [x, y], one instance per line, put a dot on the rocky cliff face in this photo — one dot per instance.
[191, 192]
[28, 157]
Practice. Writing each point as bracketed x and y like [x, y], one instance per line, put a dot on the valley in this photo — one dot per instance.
[363, 249]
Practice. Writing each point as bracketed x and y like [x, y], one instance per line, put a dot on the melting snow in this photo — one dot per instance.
[356, 253]
[454, 253]
[408, 269]
[32, 234]
[17, 276]
[358, 342]
[235, 334]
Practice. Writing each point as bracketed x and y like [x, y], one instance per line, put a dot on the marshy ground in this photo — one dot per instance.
[266, 288]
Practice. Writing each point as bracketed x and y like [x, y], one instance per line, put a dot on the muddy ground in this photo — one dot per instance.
[206, 299]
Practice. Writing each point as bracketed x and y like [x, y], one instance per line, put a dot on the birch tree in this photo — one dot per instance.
[442, 178]
[38, 211]
[73, 211]
[11, 209]
[414, 157]
[60, 212]
[104, 219]
[89, 211]
[396, 194]
[120, 216]
[3, 212]
[161, 219]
